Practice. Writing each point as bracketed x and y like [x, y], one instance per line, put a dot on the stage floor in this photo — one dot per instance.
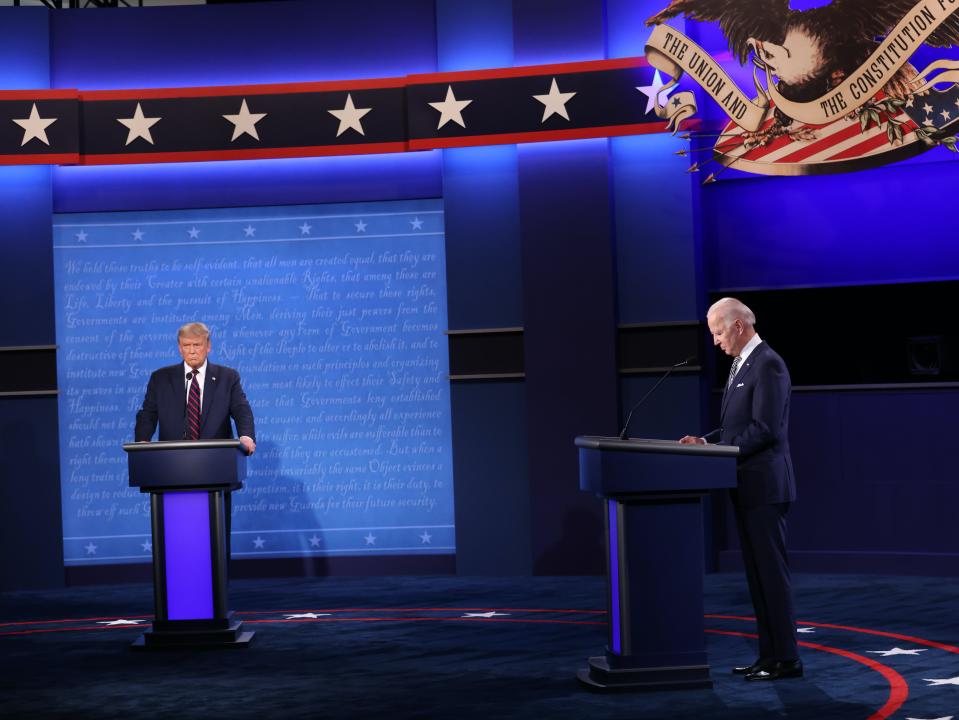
[449, 647]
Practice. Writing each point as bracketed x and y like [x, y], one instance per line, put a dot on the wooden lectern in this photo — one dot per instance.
[189, 484]
[653, 492]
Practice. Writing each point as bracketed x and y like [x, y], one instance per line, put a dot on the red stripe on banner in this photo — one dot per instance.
[250, 154]
[545, 135]
[68, 94]
[41, 159]
[231, 90]
[825, 143]
[898, 687]
[527, 71]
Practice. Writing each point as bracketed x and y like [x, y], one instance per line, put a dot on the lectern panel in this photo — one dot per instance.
[189, 566]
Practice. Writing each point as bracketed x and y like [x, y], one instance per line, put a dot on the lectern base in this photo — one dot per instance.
[232, 636]
[600, 677]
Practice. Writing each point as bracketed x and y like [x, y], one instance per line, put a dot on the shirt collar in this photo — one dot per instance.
[749, 347]
[201, 372]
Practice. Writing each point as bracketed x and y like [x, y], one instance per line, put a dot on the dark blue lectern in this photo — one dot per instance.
[189, 484]
[653, 492]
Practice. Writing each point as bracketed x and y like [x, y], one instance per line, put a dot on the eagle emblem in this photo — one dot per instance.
[835, 88]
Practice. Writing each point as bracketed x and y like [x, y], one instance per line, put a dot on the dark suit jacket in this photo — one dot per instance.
[165, 403]
[755, 416]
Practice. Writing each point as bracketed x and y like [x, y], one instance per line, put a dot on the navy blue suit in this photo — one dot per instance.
[165, 404]
[755, 416]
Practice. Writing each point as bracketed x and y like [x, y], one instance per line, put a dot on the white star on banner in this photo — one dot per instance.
[491, 613]
[653, 91]
[305, 229]
[806, 630]
[137, 234]
[139, 126]
[946, 115]
[90, 548]
[370, 539]
[245, 122]
[194, 233]
[927, 108]
[147, 545]
[451, 109]
[35, 127]
[416, 223]
[258, 543]
[349, 117]
[314, 541]
[941, 681]
[360, 226]
[119, 621]
[426, 538]
[311, 615]
[81, 236]
[957, 102]
[554, 103]
[249, 230]
[896, 651]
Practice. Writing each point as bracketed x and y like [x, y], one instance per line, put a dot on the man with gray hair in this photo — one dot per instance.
[755, 416]
[195, 399]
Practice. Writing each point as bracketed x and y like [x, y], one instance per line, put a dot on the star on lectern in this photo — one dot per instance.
[139, 126]
[35, 127]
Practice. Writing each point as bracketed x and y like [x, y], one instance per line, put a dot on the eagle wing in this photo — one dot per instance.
[739, 20]
[872, 18]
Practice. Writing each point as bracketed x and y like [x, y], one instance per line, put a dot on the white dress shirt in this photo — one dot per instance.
[200, 378]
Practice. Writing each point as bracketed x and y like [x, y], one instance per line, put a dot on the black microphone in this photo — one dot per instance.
[622, 435]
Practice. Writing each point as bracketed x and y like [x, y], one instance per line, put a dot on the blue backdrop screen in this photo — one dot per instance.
[333, 315]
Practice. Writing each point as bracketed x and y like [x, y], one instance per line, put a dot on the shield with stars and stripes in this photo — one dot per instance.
[857, 141]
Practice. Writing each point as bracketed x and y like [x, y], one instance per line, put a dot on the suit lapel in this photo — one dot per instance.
[209, 391]
[741, 375]
[178, 383]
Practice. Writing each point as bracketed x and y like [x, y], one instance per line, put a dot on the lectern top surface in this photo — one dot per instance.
[646, 445]
[180, 445]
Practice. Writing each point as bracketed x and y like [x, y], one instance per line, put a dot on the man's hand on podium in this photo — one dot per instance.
[248, 443]
[690, 440]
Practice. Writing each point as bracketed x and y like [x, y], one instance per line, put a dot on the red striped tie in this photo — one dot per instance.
[193, 408]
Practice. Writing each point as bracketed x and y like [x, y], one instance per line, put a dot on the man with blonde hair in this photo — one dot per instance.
[195, 399]
[755, 416]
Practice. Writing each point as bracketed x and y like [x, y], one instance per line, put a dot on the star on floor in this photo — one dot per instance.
[139, 126]
[554, 103]
[450, 109]
[653, 91]
[944, 717]
[194, 233]
[806, 630]
[249, 231]
[941, 681]
[119, 621]
[491, 613]
[258, 543]
[35, 127]
[349, 117]
[244, 122]
[370, 539]
[305, 229]
[896, 651]
[310, 615]
[360, 226]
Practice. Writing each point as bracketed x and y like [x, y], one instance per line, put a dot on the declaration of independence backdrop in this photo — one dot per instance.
[333, 314]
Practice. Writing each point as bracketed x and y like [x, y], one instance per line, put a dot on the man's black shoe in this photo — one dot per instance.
[755, 667]
[778, 671]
